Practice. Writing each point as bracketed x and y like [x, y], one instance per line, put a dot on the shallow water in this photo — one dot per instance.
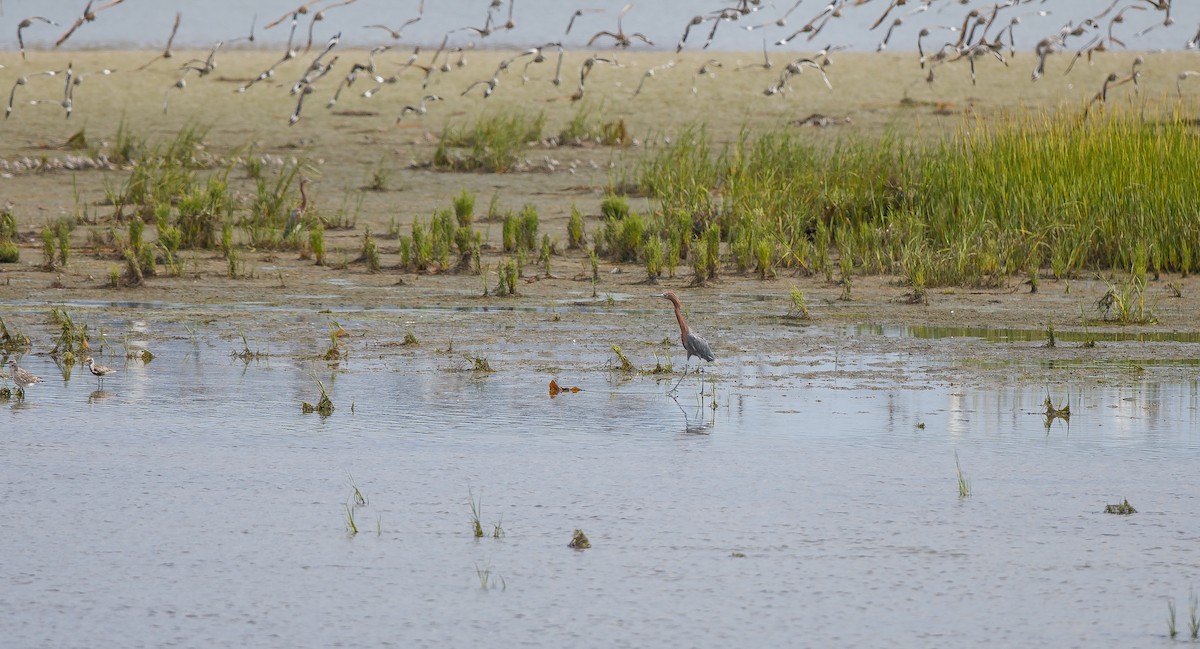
[191, 503]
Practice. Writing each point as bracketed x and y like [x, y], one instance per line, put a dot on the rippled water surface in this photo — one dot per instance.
[192, 503]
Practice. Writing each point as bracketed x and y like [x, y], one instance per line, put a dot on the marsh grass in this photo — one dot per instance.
[356, 494]
[324, 405]
[72, 343]
[1051, 412]
[351, 526]
[972, 210]
[964, 485]
[799, 304]
[493, 144]
[1126, 301]
[1193, 615]
[334, 351]
[585, 128]
[379, 177]
[1172, 631]
[12, 340]
[476, 509]
[246, 354]
[659, 367]
[488, 580]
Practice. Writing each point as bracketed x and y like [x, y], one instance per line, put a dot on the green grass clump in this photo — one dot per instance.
[476, 508]
[316, 241]
[1001, 197]
[527, 229]
[370, 252]
[614, 207]
[575, 230]
[9, 252]
[493, 144]
[799, 305]
[464, 209]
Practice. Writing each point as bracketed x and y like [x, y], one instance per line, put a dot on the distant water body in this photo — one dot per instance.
[146, 23]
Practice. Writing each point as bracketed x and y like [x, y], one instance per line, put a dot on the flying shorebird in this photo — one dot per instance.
[651, 72]
[26, 23]
[703, 70]
[167, 53]
[585, 70]
[203, 68]
[419, 109]
[692, 342]
[578, 13]
[74, 82]
[288, 54]
[22, 378]
[396, 33]
[766, 64]
[350, 78]
[318, 17]
[88, 16]
[302, 10]
[21, 81]
[620, 39]
[98, 371]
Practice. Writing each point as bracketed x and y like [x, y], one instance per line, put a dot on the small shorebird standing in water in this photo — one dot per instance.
[22, 378]
[98, 371]
[692, 342]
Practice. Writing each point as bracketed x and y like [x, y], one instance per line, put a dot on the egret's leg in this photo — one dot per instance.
[685, 369]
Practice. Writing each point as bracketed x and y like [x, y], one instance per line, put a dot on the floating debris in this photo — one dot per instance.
[1121, 509]
[579, 541]
[555, 389]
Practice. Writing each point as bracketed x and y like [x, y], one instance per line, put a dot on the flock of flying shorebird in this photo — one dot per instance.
[984, 32]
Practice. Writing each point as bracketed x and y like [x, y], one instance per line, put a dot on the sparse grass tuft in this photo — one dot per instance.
[476, 508]
[799, 305]
[1171, 630]
[964, 485]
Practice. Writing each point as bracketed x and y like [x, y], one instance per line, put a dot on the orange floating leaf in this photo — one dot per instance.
[554, 389]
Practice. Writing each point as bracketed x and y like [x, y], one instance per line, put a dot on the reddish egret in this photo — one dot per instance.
[692, 342]
[296, 218]
[22, 378]
[98, 371]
